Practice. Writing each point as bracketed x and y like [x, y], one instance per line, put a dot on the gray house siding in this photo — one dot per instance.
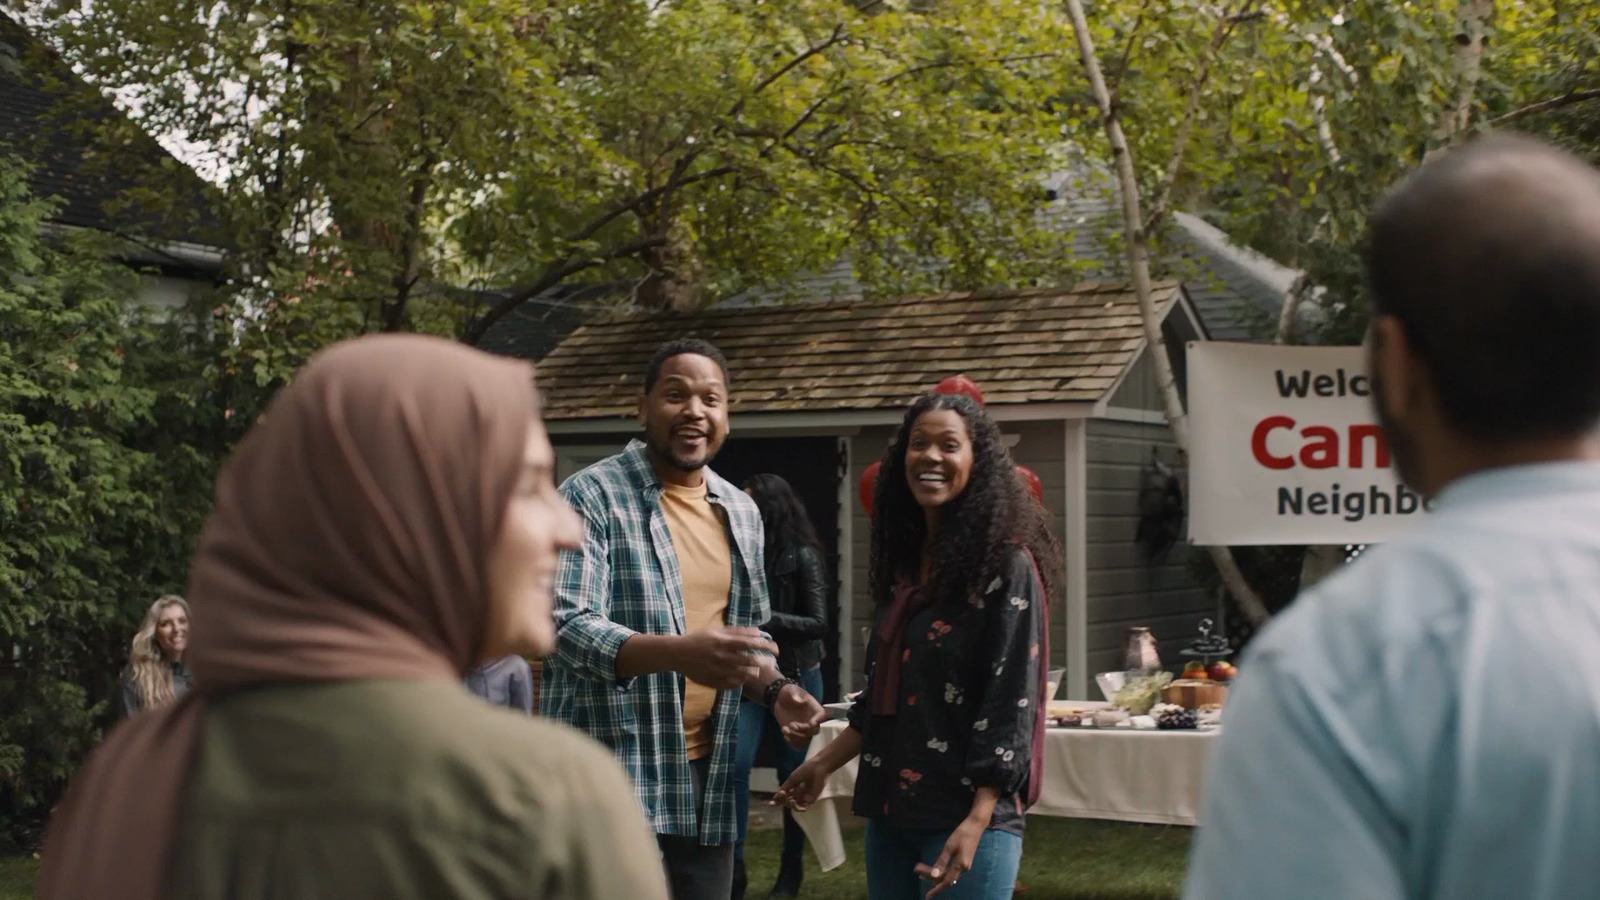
[1041, 446]
[1124, 587]
[1043, 449]
[1138, 389]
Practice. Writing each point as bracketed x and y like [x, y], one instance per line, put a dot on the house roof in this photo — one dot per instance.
[1045, 345]
[538, 324]
[1233, 289]
[89, 156]
[1236, 290]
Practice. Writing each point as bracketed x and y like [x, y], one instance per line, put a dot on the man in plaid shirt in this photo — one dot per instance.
[658, 619]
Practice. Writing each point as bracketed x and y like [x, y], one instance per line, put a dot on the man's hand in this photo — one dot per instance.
[721, 657]
[799, 714]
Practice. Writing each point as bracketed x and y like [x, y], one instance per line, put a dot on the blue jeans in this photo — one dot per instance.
[893, 854]
[755, 720]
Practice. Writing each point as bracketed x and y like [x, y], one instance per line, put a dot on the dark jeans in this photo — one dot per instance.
[754, 722]
[696, 871]
[893, 853]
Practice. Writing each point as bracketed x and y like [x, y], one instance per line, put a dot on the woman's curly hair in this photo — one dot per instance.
[979, 527]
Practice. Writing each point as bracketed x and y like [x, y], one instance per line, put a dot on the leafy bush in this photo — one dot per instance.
[109, 438]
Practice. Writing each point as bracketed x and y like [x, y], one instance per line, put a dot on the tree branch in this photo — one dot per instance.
[1319, 104]
[1322, 44]
[380, 109]
[566, 267]
[952, 63]
[1319, 112]
[633, 204]
[552, 276]
[410, 273]
[1543, 106]
[1139, 264]
[832, 41]
[1219, 36]
[1127, 50]
[800, 122]
[849, 177]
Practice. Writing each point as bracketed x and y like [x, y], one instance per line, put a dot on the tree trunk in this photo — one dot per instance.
[1471, 36]
[1139, 265]
[1292, 300]
[1320, 561]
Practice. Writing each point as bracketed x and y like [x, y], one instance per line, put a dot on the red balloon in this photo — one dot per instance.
[1031, 479]
[868, 485]
[960, 384]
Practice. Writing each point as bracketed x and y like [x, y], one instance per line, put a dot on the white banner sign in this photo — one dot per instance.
[1287, 450]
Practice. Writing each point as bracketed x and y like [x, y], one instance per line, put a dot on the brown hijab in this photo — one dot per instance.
[349, 540]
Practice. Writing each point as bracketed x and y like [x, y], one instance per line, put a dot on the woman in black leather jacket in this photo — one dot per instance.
[798, 583]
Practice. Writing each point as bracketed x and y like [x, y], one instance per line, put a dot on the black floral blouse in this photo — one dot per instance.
[969, 695]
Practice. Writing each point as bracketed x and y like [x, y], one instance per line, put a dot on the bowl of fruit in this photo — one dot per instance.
[1208, 657]
[1219, 670]
[1207, 674]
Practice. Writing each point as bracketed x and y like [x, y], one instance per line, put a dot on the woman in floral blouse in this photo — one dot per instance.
[949, 728]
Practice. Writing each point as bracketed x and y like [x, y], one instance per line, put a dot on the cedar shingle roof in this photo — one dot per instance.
[1045, 345]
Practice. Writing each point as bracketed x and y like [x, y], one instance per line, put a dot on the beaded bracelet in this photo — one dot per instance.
[770, 698]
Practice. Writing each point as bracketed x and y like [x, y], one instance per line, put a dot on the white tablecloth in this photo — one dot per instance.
[1119, 774]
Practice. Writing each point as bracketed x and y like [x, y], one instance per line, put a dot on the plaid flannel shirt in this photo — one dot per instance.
[624, 582]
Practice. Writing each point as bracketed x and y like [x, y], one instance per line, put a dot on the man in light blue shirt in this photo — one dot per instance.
[1427, 722]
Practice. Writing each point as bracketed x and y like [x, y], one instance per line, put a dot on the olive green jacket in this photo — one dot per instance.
[405, 791]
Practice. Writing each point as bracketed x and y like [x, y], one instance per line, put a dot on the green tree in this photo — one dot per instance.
[1285, 121]
[1355, 95]
[373, 151]
[105, 466]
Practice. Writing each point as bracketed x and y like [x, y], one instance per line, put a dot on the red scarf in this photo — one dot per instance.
[909, 599]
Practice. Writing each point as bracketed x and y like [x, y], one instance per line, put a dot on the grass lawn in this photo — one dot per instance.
[16, 877]
[1062, 859]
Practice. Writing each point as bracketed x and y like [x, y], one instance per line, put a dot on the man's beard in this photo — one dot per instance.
[662, 448]
[1402, 449]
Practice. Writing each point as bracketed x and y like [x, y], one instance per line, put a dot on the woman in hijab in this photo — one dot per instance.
[156, 674]
[389, 524]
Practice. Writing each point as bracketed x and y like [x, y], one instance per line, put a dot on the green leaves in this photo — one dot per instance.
[107, 448]
[374, 152]
[1314, 107]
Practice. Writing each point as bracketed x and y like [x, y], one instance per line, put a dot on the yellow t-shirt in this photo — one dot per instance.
[700, 537]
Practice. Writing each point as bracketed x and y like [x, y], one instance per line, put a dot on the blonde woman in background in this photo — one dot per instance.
[156, 674]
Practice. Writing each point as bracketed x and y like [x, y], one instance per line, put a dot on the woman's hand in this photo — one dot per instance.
[956, 858]
[803, 787]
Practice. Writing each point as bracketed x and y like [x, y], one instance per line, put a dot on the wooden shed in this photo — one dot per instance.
[819, 388]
